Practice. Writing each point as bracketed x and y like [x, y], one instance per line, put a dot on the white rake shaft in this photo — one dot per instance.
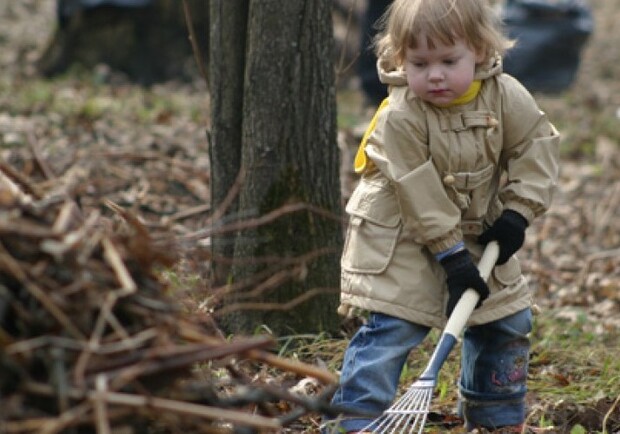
[469, 300]
[408, 413]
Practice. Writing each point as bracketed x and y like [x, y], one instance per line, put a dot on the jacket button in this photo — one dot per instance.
[448, 179]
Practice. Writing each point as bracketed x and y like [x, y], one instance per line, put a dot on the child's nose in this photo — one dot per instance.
[435, 73]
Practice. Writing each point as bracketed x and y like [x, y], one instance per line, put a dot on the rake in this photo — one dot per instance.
[408, 413]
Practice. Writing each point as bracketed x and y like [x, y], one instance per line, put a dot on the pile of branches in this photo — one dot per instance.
[91, 340]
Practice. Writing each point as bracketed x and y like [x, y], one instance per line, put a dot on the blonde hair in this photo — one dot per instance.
[444, 21]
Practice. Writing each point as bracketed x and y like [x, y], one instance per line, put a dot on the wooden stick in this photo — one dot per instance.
[71, 239]
[95, 338]
[609, 413]
[273, 306]
[36, 152]
[185, 213]
[262, 220]
[63, 219]
[100, 407]
[189, 332]
[300, 368]
[32, 344]
[10, 178]
[207, 412]
[182, 357]
[17, 195]
[113, 258]
[232, 193]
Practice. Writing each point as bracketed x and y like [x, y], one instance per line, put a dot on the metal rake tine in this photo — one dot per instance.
[386, 424]
[393, 416]
[403, 420]
[407, 415]
[415, 394]
[422, 411]
[402, 402]
[405, 399]
[409, 396]
[415, 417]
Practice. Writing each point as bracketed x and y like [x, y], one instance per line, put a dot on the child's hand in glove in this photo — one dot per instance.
[462, 274]
[509, 232]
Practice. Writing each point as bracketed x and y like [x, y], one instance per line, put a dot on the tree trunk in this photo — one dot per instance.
[289, 155]
[227, 46]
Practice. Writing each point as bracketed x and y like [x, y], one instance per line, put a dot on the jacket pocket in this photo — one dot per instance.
[374, 228]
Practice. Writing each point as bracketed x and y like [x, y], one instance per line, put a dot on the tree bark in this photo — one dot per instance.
[227, 49]
[289, 154]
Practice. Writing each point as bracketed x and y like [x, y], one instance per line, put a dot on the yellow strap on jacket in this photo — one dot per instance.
[361, 161]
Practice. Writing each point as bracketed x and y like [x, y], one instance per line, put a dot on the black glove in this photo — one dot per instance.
[509, 232]
[462, 274]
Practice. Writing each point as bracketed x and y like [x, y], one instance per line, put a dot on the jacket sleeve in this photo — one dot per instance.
[398, 148]
[530, 153]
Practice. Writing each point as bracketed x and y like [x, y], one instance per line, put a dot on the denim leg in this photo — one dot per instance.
[371, 368]
[494, 368]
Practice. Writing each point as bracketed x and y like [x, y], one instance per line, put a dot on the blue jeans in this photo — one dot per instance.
[493, 370]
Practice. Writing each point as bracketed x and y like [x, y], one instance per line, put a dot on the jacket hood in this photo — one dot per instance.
[393, 75]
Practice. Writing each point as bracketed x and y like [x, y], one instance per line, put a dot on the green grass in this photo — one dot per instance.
[82, 95]
[570, 360]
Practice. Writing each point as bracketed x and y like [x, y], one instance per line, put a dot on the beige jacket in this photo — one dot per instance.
[436, 176]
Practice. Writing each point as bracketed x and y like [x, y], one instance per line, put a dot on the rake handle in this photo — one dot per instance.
[469, 299]
[461, 313]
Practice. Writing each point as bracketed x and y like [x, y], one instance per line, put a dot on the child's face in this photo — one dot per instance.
[440, 74]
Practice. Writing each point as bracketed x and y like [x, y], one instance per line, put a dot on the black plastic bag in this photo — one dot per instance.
[67, 8]
[550, 37]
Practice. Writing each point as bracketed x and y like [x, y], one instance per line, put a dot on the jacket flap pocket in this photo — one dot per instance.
[376, 202]
[466, 120]
[471, 180]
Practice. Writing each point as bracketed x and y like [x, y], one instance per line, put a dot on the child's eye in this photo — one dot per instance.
[417, 64]
[449, 61]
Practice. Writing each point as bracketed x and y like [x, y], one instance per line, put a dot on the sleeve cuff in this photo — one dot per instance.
[522, 209]
[446, 242]
[456, 248]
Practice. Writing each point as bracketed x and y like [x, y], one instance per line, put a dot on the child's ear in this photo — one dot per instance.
[481, 56]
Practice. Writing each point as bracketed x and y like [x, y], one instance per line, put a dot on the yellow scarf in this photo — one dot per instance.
[469, 94]
[361, 162]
